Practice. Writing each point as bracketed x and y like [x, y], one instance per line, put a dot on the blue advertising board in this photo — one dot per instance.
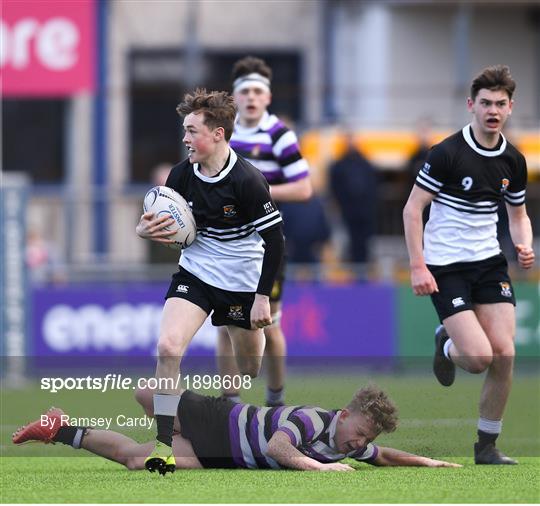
[318, 320]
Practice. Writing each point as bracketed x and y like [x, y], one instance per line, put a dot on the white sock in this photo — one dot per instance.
[165, 404]
[490, 426]
[446, 349]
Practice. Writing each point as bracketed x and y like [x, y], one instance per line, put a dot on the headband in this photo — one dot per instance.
[253, 79]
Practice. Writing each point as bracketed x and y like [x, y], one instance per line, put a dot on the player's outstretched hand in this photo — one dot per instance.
[150, 227]
[525, 256]
[336, 466]
[441, 463]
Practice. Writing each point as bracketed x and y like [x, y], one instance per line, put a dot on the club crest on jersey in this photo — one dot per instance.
[235, 313]
[504, 185]
[229, 211]
[506, 291]
[426, 168]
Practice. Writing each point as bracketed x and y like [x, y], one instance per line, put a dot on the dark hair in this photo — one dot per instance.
[250, 64]
[218, 108]
[373, 403]
[494, 78]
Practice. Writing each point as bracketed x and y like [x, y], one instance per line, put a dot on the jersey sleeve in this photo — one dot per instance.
[515, 193]
[302, 426]
[434, 173]
[258, 205]
[367, 454]
[175, 179]
[286, 151]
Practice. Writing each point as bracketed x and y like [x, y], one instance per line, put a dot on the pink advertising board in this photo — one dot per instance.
[47, 48]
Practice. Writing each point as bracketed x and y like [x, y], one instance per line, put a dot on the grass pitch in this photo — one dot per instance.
[436, 422]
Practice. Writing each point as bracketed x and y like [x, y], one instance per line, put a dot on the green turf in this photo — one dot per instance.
[435, 421]
[91, 480]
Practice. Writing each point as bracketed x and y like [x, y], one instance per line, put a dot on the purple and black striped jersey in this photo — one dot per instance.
[310, 429]
[272, 148]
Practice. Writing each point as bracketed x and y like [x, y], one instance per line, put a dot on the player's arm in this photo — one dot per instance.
[294, 191]
[520, 227]
[422, 281]
[295, 169]
[391, 457]
[286, 454]
[260, 208]
[274, 247]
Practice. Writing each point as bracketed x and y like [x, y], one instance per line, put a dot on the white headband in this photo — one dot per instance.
[253, 79]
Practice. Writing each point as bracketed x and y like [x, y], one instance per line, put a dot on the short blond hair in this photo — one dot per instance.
[373, 403]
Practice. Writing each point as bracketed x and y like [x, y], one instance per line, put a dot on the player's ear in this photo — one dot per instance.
[344, 414]
[219, 134]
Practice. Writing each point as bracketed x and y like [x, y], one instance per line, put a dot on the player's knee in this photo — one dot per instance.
[507, 350]
[480, 363]
[170, 346]
[250, 367]
[145, 397]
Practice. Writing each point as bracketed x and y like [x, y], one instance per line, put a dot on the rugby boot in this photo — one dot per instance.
[443, 368]
[491, 455]
[44, 429]
[161, 459]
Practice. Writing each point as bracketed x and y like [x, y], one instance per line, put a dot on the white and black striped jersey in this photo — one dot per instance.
[468, 181]
[272, 148]
[310, 429]
[230, 210]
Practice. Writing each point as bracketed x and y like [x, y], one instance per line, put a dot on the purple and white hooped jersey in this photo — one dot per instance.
[272, 148]
[310, 429]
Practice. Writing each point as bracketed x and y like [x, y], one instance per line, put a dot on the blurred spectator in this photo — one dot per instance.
[158, 253]
[306, 228]
[43, 259]
[424, 136]
[353, 183]
[416, 161]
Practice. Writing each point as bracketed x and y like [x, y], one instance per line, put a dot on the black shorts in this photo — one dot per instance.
[229, 308]
[204, 420]
[277, 288]
[463, 284]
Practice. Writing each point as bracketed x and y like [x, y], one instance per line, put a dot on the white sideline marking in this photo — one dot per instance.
[437, 422]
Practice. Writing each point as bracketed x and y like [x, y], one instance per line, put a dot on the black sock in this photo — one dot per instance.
[165, 426]
[71, 436]
[485, 438]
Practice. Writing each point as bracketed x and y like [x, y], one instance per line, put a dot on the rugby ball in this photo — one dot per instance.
[162, 200]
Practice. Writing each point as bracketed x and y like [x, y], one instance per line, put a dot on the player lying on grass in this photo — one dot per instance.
[217, 433]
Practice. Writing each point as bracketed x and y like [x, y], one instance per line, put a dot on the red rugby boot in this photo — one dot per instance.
[44, 429]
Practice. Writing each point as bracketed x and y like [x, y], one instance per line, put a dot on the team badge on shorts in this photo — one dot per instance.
[506, 291]
[504, 184]
[235, 313]
[229, 211]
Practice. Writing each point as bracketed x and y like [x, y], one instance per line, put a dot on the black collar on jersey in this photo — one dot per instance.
[468, 135]
[229, 164]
